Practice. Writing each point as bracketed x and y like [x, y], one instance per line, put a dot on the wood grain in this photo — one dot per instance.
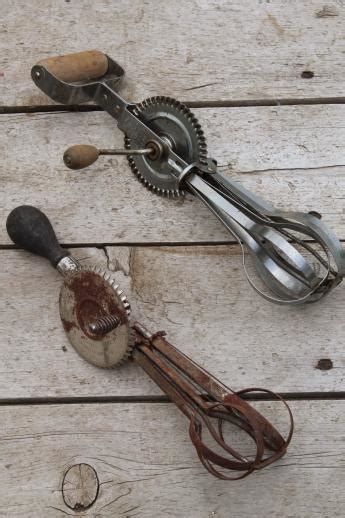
[146, 470]
[199, 50]
[199, 295]
[80, 487]
[293, 156]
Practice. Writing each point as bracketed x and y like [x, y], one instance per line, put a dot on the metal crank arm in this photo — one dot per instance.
[93, 76]
[209, 405]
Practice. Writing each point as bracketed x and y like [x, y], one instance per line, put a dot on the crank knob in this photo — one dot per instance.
[31, 230]
[80, 156]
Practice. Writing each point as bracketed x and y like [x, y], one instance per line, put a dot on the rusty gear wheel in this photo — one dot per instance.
[86, 295]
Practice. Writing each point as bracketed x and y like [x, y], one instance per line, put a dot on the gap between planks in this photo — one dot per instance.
[148, 244]
[191, 104]
[75, 400]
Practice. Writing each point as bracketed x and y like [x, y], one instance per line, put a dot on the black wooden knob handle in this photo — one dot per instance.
[30, 229]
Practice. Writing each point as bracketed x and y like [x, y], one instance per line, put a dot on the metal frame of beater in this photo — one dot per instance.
[96, 317]
[269, 234]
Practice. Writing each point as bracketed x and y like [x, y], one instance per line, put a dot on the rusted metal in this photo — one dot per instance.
[209, 404]
[95, 315]
[104, 325]
[93, 300]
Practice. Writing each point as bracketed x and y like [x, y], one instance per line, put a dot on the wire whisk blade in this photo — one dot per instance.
[295, 254]
[209, 404]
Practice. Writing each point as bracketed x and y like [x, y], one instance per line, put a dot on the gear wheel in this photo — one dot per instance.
[177, 125]
[86, 295]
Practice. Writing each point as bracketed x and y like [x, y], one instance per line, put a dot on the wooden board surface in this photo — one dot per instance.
[199, 295]
[145, 470]
[215, 54]
[293, 156]
[239, 50]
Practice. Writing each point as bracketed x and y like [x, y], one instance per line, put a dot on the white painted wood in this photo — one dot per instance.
[199, 295]
[195, 50]
[146, 470]
[199, 51]
[299, 153]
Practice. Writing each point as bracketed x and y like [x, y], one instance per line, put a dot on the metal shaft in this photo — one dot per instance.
[125, 151]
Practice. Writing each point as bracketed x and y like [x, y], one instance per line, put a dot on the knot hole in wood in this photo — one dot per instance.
[80, 487]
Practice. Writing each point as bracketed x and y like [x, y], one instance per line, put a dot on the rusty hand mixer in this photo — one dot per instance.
[96, 317]
[295, 254]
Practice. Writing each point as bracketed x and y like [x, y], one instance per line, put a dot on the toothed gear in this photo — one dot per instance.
[87, 294]
[175, 123]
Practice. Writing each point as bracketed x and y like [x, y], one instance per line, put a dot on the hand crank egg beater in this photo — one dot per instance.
[96, 317]
[296, 256]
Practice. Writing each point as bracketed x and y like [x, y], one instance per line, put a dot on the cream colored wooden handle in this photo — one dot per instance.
[81, 66]
[80, 156]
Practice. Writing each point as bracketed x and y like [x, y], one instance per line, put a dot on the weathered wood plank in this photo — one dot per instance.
[199, 295]
[199, 50]
[299, 154]
[145, 470]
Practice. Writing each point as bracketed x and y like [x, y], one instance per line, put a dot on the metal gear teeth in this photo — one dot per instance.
[202, 145]
[131, 345]
[153, 188]
[126, 305]
[119, 292]
[112, 283]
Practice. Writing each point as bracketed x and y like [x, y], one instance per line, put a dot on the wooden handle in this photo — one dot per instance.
[81, 66]
[80, 156]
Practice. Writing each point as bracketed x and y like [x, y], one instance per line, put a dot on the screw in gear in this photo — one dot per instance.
[87, 294]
